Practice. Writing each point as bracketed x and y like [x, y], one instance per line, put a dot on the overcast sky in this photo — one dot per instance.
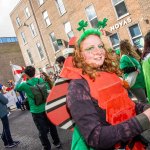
[6, 27]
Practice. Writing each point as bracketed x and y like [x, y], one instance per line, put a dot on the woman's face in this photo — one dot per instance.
[93, 50]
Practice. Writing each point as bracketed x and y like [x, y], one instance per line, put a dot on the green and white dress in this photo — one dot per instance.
[129, 61]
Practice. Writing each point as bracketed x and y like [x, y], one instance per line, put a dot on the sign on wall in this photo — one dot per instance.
[121, 24]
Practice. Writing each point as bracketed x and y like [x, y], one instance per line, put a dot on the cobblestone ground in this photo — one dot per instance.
[24, 130]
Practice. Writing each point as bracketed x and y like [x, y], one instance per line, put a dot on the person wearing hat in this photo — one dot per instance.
[6, 134]
[105, 117]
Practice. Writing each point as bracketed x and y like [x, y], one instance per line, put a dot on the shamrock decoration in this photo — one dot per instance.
[102, 24]
[82, 25]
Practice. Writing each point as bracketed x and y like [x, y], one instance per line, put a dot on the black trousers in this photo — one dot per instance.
[44, 126]
[6, 135]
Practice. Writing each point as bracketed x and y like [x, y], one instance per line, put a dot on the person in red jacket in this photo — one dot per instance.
[104, 115]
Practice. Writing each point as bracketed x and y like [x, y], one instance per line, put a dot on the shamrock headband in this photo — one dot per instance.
[95, 31]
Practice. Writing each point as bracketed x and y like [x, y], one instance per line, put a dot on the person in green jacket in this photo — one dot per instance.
[129, 63]
[146, 63]
[38, 111]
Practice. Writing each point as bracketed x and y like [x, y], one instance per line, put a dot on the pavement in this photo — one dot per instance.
[23, 129]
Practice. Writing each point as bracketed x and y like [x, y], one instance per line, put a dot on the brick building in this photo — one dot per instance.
[9, 51]
[44, 26]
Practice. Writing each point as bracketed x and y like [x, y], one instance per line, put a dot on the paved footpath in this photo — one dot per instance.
[24, 130]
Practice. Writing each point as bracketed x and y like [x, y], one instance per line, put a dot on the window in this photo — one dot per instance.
[33, 31]
[40, 50]
[115, 41]
[18, 22]
[23, 37]
[46, 18]
[30, 56]
[27, 13]
[120, 7]
[91, 14]
[54, 41]
[136, 35]
[61, 6]
[40, 2]
[68, 30]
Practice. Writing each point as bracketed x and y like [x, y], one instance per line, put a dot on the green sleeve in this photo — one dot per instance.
[146, 71]
[20, 86]
[124, 62]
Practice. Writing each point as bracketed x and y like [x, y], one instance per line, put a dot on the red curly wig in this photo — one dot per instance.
[110, 64]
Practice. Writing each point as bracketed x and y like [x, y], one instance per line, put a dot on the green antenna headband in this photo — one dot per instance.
[86, 33]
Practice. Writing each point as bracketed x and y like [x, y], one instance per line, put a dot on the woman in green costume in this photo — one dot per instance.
[129, 62]
[146, 63]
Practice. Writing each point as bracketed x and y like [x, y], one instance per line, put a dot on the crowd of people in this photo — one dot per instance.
[97, 98]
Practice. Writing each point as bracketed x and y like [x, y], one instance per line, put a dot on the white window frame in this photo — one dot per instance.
[69, 31]
[88, 16]
[52, 42]
[132, 38]
[118, 18]
[23, 38]
[32, 29]
[41, 2]
[18, 22]
[30, 57]
[38, 44]
[27, 12]
[111, 42]
[46, 18]
[59, 7]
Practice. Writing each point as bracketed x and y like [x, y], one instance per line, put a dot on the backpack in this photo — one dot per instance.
[40, 93]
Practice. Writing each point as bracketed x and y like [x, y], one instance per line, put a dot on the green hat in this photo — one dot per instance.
[95, 31]
[87, 33]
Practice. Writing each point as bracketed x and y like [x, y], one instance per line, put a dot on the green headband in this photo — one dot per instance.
[95, 31]
[87, 33]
